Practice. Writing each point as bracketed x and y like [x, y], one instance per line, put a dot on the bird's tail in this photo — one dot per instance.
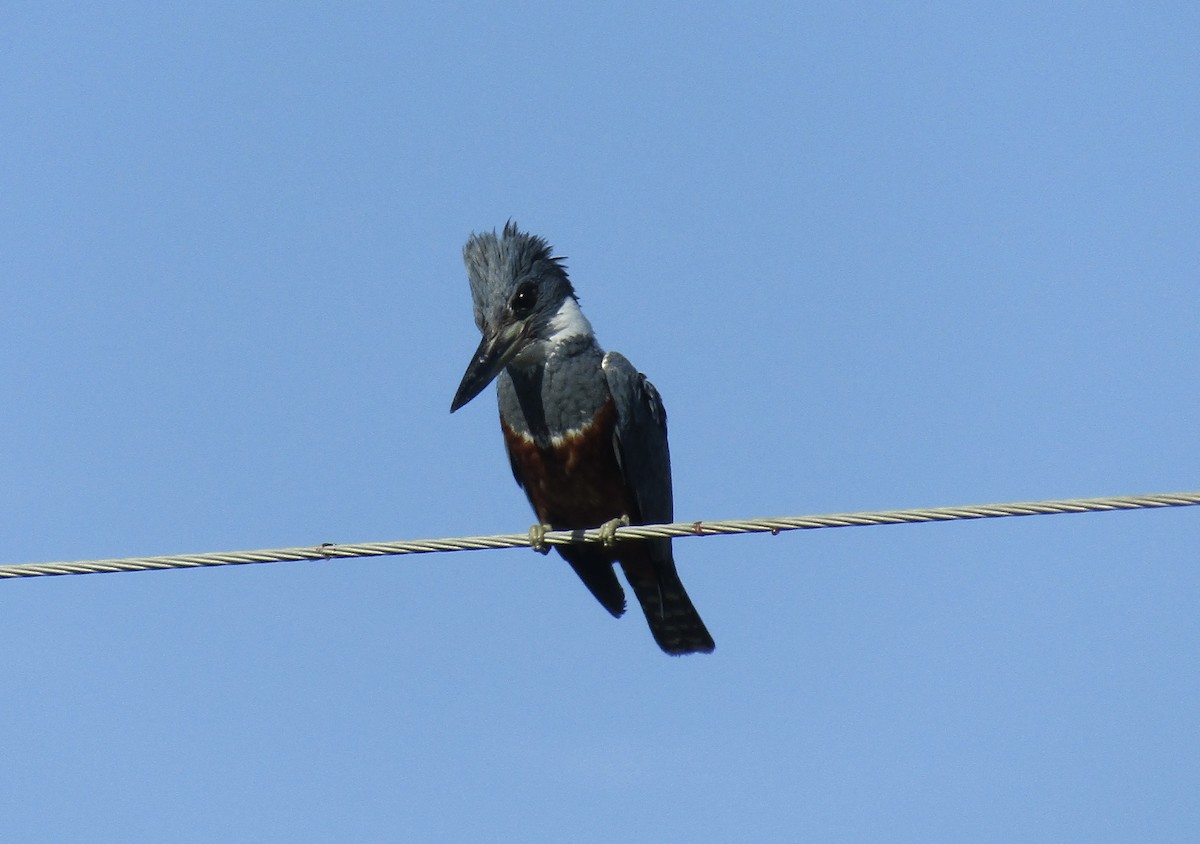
[673, 620]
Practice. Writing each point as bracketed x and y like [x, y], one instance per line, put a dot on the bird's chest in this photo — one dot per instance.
[573, 480]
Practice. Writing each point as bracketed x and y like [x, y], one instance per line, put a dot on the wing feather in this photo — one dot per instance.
[641, 440]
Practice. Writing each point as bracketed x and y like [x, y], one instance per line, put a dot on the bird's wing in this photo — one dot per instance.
[641, 443]
[641, 440]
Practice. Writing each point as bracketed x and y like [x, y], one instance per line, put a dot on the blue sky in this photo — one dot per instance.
[872, 255]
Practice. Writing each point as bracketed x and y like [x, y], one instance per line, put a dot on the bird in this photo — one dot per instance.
[586, 433]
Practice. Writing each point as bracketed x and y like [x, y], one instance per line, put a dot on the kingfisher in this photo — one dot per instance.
[586, 433]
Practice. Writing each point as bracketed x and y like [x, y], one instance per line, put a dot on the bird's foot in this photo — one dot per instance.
[608, 530]
[537, 538]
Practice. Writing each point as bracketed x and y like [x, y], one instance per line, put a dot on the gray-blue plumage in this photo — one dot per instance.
[641, 438]
[570, 386]
[586, 433]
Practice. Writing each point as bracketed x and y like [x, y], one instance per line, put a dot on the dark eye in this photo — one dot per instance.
[524, 300]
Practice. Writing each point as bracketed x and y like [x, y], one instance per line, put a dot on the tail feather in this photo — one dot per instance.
[650, 570]
[596, 572]
[674, 621]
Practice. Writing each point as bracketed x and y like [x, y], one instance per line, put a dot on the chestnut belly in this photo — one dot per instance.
[578, 482]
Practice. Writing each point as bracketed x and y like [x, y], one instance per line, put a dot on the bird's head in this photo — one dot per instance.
[523, 301]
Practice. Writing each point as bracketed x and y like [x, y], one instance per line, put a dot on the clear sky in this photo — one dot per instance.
[872, 255]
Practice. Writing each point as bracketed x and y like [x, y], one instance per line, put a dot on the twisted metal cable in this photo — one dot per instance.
[329, 551]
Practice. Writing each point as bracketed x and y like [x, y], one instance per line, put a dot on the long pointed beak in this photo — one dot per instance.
[493, 355]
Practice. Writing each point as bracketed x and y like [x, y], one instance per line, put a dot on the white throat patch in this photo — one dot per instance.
[568, 322]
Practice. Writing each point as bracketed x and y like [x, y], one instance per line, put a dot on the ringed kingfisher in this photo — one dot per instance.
[586, 433]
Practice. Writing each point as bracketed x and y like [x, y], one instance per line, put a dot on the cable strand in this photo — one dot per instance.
[330, 551]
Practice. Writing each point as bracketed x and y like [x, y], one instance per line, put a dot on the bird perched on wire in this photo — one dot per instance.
[586, 432]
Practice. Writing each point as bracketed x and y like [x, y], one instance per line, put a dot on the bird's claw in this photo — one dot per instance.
[608, 530]
[537, 538]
